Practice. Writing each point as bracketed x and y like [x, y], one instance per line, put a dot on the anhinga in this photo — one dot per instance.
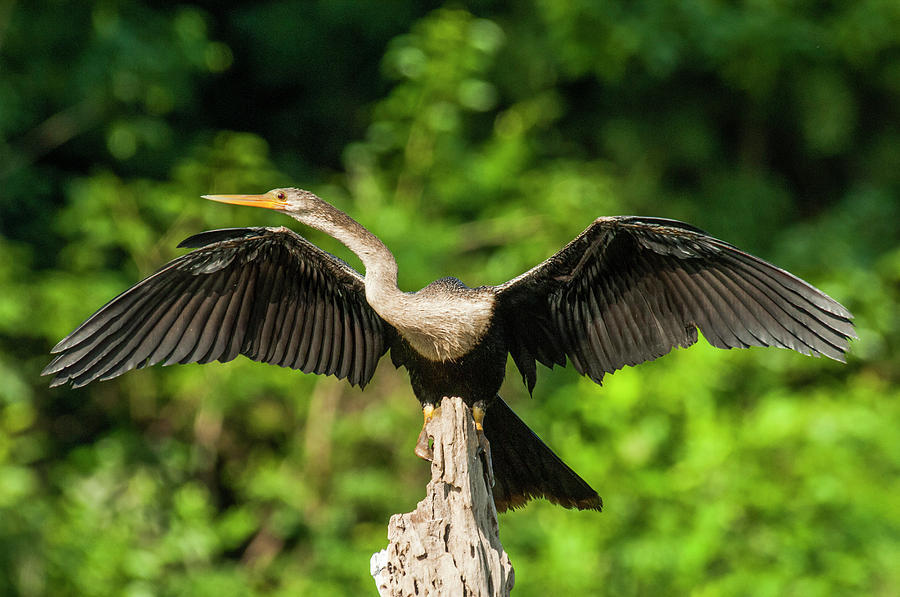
[628, 289]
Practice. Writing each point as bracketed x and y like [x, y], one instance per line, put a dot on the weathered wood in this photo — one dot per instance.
[450, 544]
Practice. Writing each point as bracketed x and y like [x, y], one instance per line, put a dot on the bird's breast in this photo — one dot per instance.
[443, 328]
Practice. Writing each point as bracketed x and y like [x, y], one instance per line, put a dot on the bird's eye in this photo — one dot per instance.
[280, 196]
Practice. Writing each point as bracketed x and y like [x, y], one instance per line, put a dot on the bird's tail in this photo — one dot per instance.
[525, 468]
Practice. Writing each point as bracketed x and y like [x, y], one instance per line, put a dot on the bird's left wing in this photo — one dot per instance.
[630, 289]
[266, 293]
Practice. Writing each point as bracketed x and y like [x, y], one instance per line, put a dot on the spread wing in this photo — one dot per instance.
[629, 289]
[266, 293]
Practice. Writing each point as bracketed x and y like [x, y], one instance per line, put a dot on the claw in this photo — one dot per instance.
[423, 447]
[484, 445]
[485, 451]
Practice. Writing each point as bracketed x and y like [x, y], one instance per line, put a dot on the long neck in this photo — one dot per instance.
[381, 267]
[440, 326]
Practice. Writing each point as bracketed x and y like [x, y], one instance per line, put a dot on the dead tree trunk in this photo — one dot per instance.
[450, 544]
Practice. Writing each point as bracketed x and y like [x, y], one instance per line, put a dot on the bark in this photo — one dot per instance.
[450, 544]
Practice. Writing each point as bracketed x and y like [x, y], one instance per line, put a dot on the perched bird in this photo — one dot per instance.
[626, 290]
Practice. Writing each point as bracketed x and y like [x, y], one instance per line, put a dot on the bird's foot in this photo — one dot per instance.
[424, 449]
[484, 450]
[484, 446]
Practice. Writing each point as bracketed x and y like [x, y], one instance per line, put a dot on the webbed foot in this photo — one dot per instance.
[423, 448]
[484, 445]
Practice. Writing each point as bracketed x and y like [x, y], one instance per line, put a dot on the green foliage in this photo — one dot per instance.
[491, 137]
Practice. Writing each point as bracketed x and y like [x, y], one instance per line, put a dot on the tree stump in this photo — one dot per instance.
[450, 544]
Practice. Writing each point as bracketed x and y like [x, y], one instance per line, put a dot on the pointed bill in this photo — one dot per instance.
[268, 200]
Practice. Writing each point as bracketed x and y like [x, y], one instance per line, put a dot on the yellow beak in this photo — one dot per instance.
[269, 201]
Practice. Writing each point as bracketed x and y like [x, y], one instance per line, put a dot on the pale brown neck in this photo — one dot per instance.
[381, 267]
[439, 325]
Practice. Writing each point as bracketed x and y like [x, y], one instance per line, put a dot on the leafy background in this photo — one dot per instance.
[475, 139]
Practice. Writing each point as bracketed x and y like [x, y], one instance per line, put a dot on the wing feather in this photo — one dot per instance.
[630, 289]
[266, 293]
[210, 325]
[312, 362]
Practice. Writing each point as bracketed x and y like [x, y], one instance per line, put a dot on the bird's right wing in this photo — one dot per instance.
[630, 289]
[266, 293]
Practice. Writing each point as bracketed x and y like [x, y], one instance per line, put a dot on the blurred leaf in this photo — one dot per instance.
[476, 139]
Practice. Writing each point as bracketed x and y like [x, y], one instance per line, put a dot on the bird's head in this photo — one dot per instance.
[294, 202]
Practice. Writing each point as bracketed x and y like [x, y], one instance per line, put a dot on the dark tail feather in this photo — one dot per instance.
[525, 468]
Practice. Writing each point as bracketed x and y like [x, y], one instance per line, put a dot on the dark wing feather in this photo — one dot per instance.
[630, 289]
[266, 293]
